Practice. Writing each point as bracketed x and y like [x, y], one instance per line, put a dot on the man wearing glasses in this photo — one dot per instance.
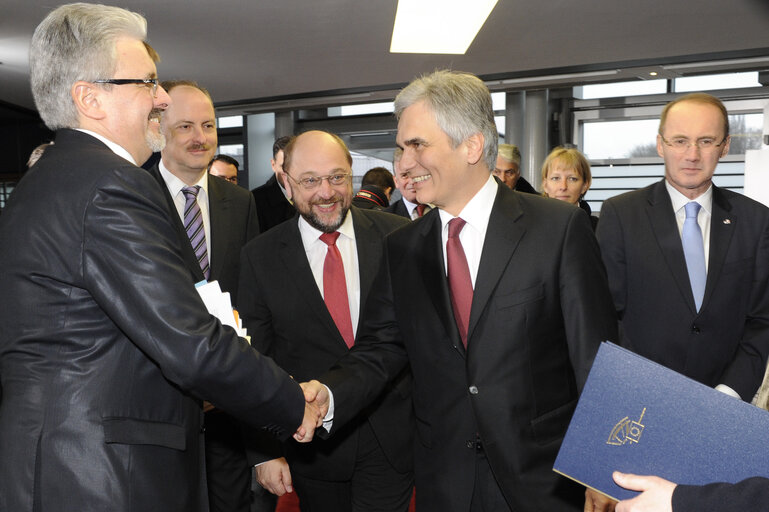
[212, 253]
[106, 350]
[225, 167]
[303, 284]
[687, 260]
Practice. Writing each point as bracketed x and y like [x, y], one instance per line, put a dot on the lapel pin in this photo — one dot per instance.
[727, 221]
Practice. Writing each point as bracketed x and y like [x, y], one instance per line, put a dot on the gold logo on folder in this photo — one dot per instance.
[627, 431]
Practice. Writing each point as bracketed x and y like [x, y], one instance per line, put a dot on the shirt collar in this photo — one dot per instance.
[478, 210]
[310, 235]
[115, 147]
[679, 200]
[175, 185]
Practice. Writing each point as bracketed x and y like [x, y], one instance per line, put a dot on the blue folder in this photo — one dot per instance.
[637, 416]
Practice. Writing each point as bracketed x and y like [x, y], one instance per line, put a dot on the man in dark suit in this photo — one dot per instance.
[659, 495]
[500, 328]
[272, 205]
[707, 320]
[407, 206]
[106, 349]
[508, 169]
[229, 221]
[368, 465]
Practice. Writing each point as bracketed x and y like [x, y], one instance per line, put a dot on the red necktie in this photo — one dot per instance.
[460, 284]
[420, 209]
[335, 288]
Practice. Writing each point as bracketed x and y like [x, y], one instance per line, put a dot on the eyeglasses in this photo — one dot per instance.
[681, 144]
[148, 82]
[313, 182]
[231, 179]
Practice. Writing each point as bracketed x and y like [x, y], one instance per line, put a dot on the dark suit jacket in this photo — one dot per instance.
[282, 307]
[726, 341]
[541, 306]
[398, 208]
[524, 186]
[232, 214]
[105, 347]
[272, 207]
[751, 495]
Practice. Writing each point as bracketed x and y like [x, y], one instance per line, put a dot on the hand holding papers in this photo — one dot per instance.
[219, 305]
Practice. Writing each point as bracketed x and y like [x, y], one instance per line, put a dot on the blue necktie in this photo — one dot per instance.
[694, 252]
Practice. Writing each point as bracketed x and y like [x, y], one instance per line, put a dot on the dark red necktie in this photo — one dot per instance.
[335, 288]
[460, 283]
[420, 210]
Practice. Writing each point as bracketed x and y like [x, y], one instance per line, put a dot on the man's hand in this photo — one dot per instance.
[597, 502]
[274, 476]
[656, 495]
[316, 406]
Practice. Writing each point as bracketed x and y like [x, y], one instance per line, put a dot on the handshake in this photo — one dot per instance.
[316, 397]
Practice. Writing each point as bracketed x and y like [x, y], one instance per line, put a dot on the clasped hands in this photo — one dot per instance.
[316, 405]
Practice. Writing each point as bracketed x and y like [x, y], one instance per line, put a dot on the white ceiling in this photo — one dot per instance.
[255, 50]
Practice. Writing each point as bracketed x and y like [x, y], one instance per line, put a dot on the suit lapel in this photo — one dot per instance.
[722, 223]
[503, 233]
[433, 273]
[665, 229]
[218, 206]
[297, 269]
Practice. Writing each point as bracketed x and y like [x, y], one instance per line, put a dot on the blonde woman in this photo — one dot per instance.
[566, 177]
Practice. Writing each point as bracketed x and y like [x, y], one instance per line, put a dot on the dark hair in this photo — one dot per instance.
[280, 145]
[380, 177]
[227, 159]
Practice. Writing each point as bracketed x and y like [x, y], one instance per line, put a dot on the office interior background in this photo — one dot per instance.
[592, 74]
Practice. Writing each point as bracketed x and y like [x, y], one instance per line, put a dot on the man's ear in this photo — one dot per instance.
[474, 145]
[88, 100]
[281, 177]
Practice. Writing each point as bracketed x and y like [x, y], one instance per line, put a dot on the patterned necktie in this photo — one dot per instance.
[460, 283]
[694, 252]
[335, 288]
[193, 225]
[421, 209]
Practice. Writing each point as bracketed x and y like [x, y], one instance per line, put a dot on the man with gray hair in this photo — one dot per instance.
[106, 349]
[508, 169]
[496, 300]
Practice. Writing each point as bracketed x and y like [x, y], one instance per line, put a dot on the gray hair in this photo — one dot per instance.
[510, 152]
[461, 103]
[76, 42]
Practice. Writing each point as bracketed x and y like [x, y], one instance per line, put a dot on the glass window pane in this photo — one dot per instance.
[233, 150]
[711, 82]
[746, 131]
[620, 139]
[498, 100]
[500, 122]
[229, 122]
[618, 89]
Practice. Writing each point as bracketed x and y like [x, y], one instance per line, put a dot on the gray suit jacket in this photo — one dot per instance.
[106, 350]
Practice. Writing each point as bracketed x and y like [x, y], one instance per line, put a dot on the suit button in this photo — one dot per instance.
[202, 430]
[473, 390]
[695, 329]
[471, 444]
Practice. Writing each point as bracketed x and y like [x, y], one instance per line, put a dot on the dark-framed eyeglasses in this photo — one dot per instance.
[148, 82]
[313, 182]
[681, 144]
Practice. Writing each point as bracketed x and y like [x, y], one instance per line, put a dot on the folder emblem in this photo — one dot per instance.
[627, 431]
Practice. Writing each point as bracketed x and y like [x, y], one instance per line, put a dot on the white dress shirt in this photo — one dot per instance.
[175, 186]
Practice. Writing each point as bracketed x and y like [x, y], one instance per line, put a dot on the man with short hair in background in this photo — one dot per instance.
[272, 204]
[407, 206]
[229, 221]
[224, 167]
[508, 169]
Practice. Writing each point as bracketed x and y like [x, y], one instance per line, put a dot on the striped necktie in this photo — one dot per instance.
[193, 225]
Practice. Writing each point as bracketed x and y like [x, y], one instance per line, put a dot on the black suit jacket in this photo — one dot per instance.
[283, 309]
[398, 208]
[105, 347]
[751, 495]
[234, 222]
[272, 207]
[541, 306]
[726, 341]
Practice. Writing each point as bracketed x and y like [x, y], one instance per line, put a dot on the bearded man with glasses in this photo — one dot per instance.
[688, 262]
